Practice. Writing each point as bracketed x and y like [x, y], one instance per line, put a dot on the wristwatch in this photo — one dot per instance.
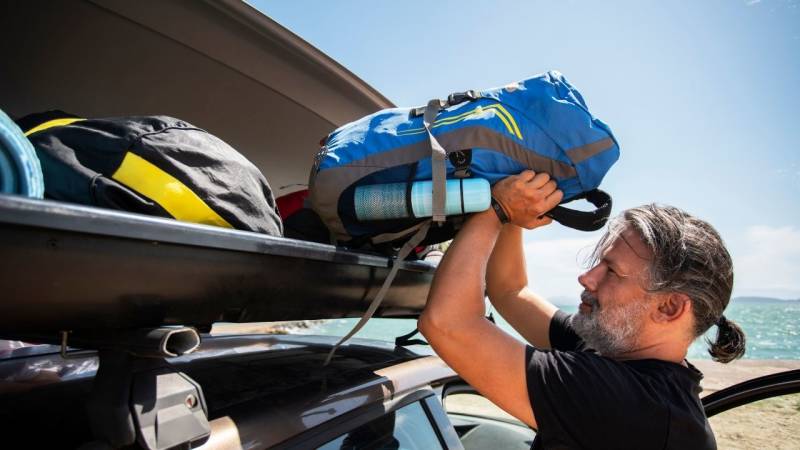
[501, 213]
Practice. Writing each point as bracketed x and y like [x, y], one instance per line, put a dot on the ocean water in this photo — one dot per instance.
[772, 329]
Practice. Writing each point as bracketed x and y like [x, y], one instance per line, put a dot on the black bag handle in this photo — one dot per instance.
[584, 220]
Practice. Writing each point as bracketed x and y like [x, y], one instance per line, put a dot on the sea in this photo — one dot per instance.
[772, 328]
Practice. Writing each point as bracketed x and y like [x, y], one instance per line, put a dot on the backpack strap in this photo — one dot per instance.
[376, 302]
[438, 153]
[389, 237]
[438, 164]
[584, 220]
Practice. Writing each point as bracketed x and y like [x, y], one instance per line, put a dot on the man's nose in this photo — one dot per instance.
[590, 278]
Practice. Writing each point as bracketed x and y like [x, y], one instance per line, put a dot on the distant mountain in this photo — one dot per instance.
[565, 300]
[763, 300]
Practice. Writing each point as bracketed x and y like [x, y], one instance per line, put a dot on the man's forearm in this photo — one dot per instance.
[505, 272]
[457, 293]
[507, 281]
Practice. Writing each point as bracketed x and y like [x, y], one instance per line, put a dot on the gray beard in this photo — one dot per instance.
[610, 332]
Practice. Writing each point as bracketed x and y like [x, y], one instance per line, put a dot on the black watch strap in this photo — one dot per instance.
[501, 213]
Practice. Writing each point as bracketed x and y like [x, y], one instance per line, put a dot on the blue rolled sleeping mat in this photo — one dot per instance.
[20, 171]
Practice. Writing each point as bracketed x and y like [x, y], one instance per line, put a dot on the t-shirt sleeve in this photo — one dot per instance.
[562, 336]
[583, 400]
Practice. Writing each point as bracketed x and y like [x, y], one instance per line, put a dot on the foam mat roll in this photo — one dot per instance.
[20, 170]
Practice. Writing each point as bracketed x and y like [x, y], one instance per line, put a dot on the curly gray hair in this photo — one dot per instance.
[688, 257]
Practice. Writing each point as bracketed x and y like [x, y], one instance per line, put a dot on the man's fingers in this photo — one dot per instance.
[539, 180]
[527, 175]
[526, 196]
[549, 187]
[553, 200]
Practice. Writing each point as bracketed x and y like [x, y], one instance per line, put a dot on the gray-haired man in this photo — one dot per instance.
[614, 375]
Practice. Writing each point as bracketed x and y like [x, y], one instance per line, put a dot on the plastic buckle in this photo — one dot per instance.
[460, 97]
[420, 110]
[461, 160]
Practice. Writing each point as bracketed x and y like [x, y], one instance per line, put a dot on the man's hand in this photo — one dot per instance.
[525, 197]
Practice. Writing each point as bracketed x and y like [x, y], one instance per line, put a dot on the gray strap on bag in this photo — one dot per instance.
[401, 256]
[389, 237]
[439, 172]
[438, 158]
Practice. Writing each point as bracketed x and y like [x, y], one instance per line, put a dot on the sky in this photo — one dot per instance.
[701, 95]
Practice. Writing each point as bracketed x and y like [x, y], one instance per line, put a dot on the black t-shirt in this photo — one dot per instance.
[582, 400]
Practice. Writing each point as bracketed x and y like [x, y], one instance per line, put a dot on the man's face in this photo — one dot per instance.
[615, 305]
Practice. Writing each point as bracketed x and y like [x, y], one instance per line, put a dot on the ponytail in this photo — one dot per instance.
[730, 341]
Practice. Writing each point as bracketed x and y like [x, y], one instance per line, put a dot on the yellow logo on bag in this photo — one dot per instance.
[497, 109]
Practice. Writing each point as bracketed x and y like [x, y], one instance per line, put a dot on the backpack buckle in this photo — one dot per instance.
[461, 97]
[419, 111]
[461, 161]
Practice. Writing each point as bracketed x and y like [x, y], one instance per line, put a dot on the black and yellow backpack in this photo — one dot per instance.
[155, 165]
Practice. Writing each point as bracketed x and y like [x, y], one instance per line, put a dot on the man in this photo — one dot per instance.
[613, 375]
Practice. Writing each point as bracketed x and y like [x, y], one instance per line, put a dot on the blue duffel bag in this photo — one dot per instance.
[541, 124]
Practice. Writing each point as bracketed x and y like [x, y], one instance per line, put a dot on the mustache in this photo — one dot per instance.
[588, 298]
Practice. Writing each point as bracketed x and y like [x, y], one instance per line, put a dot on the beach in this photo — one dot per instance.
[771, 423]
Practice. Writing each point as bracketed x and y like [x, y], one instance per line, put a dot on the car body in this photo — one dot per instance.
[261, 391]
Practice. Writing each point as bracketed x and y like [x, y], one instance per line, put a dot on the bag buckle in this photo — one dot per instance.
[461, 97]
[419, 111]
[453, 99]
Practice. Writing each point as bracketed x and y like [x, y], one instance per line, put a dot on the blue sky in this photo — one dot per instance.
[702, 96]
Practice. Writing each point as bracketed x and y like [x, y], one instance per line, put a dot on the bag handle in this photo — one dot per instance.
[584, 220]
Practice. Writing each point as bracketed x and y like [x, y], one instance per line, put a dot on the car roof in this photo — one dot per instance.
[268, 388]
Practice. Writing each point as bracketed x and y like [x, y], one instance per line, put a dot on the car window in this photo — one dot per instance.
[407, 428]
[481, 424]
[774, 420]
[471, 404]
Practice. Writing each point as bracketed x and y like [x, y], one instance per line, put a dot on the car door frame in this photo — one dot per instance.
[768, 386]
[459, 386]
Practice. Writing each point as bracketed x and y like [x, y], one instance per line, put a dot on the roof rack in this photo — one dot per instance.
[137, 396]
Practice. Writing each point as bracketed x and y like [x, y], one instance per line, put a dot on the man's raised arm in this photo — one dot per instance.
[454, 320]
[507, 288]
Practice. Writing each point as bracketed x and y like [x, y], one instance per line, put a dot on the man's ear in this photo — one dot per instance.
[672, 306]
